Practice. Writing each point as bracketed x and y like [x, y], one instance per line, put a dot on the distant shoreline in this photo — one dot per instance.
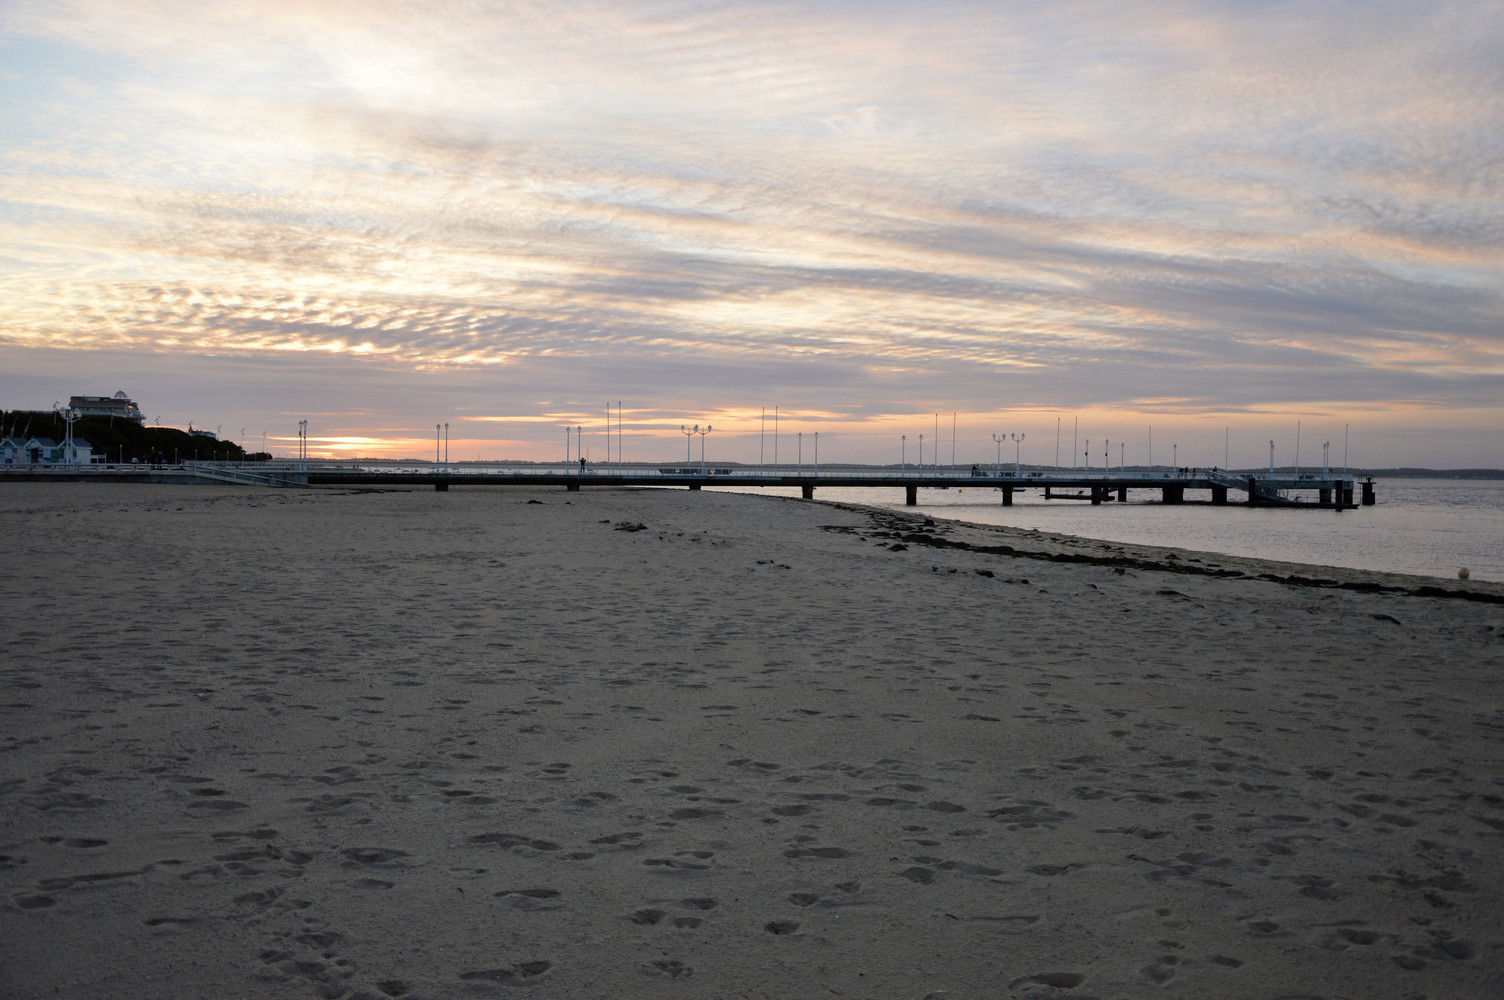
[1058, 547]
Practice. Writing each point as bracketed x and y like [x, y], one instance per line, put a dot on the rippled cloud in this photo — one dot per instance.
[1180, 212]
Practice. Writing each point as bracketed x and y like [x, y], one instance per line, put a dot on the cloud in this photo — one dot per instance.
[1204, 207]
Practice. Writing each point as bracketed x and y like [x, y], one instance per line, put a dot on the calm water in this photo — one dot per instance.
[1427, 526]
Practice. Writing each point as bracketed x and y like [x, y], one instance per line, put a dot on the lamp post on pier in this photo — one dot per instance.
[689, 436]
[921, 454]
[702, 446]
[801, 453]
[903, 455]
[1271, 457]
[1018, 440]
[1087, 454]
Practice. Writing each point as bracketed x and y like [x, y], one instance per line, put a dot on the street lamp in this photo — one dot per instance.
[702, 446]
[689, 436]
[1087, 455]
[1000, 441]
[1271, 457]
[921, 454]
[903, 455]
[801, 453]
[436, 429]
[1018, 440]
[446, 446]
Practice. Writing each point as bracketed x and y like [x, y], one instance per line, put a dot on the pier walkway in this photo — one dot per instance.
[1284, 488]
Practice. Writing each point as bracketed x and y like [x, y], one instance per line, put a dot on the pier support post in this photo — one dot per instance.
[1368, 496]
[441, 487]
[573, 487]
[1325, 497]
[808, 490]
[910, 496]
[1174, 494]
[1097, 494]
[1007, 496]
[1122, 494]
[694, 486]
[1347, 496]
[1219, 494]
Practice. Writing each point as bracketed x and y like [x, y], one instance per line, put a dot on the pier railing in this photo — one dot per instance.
[1275, 488]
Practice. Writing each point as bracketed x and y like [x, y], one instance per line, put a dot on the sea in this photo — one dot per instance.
[1428, 527]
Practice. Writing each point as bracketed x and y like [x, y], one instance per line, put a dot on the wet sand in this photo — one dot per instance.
[671, 743]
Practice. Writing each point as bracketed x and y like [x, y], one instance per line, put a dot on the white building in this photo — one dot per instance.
[118, 405]
[15, 452]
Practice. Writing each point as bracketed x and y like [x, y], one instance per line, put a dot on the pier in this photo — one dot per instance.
[1281, 488]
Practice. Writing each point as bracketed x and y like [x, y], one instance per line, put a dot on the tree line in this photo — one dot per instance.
[121, 440]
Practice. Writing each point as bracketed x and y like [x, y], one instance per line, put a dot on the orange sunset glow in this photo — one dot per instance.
[1217, 221]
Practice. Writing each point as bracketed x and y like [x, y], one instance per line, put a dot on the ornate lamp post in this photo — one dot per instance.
[702, 446]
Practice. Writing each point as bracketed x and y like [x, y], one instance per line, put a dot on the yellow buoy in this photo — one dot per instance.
[1463, 574]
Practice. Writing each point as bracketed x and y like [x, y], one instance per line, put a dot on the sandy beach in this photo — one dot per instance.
[688, 744]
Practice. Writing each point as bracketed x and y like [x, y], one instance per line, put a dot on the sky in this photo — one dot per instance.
[1185, 228]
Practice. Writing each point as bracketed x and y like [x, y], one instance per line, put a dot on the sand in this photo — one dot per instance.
[686, 744]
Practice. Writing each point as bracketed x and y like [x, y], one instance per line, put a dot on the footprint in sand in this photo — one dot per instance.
[511, 976]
